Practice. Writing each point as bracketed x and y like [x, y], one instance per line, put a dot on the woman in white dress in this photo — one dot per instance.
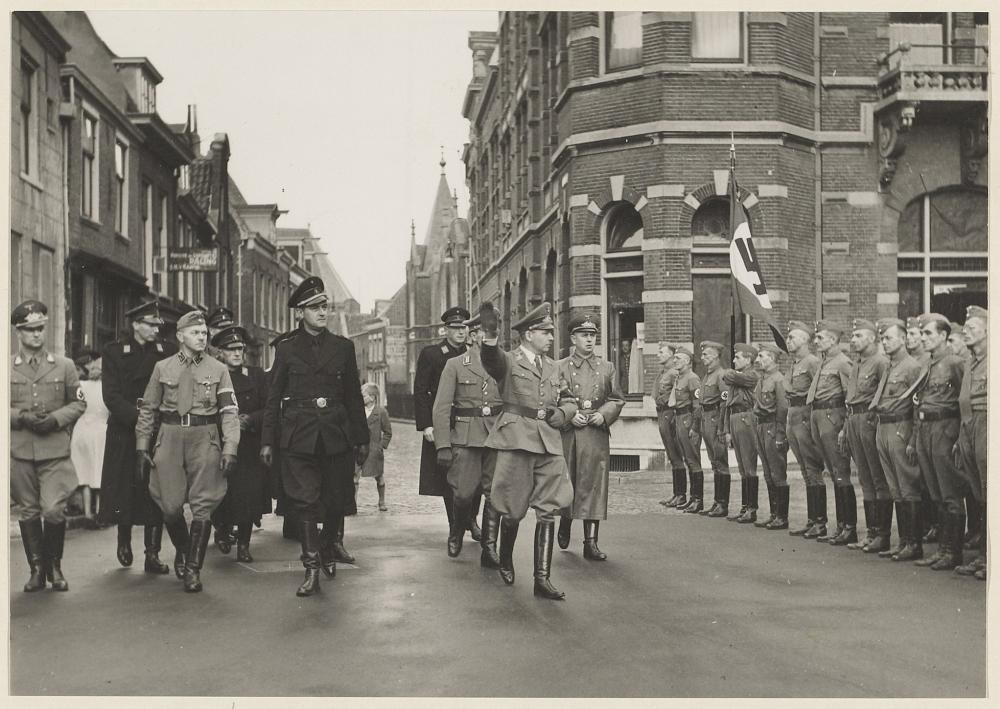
[87, 444]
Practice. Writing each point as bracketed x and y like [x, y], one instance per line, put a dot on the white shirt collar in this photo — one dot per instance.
[529, 354]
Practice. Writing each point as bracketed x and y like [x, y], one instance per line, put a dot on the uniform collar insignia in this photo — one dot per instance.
[127, 349]
[245, 372]
[18, 360]
[468, 359]
[159, 347]
[444, 348]
[50, 359]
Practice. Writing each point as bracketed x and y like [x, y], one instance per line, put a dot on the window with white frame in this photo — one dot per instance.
[29, 117]
[147, 94]
[121, 186]
[623, 39]
[90, 182]
[717, 36]
[147, 231]
[183, 178]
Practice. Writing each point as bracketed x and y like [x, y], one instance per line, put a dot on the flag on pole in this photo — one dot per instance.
[749, 292]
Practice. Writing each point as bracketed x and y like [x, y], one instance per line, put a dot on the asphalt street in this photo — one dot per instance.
[684, 607]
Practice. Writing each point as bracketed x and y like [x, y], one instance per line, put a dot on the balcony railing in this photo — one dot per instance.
[906, 74]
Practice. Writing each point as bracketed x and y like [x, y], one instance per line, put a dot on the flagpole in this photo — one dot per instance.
[732, 220]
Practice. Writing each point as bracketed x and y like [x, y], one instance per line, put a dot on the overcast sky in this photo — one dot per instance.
[336, 116]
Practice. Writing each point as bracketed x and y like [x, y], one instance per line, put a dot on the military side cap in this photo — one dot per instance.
[538, 319]
[220, 317]
[912, 322]
[885, 323]
[938, 318]
[974, 311]
[830, 326]
[311, 290]
[148, 312]
[30, 313]
[863, 324]
[746, 349]
[956, 329]
[229, 336]
[455, 317]
[769, 347]
[587, 322]
[475, 322]
[195, 317]
[282, 337]
[799, 325]
[717, 346]
[684, 351]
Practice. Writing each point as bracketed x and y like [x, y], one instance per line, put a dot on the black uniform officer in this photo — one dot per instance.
[216, 321]
[315, 398]
[127, 366]
[430, 364]
[247, 497]
[290, 523]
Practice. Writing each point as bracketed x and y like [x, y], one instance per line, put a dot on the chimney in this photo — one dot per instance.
[191, 128]
[482, 45]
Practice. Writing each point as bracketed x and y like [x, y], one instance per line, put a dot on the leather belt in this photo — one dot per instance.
[710, 407]
[859, 408]
[175, 419]
[796, 401]
[588, 404]
[737, 409]
[828, 404]
[682, 409]
[320, 402]
[893, 418]
[479, 411]
[938, 415]
[766, 417]
[528, 413]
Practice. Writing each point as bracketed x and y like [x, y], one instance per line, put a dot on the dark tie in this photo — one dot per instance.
[538, 365]
[185, 388]
[811, 396]
[33, 363]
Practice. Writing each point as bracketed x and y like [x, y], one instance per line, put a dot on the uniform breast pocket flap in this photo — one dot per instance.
[206, 389]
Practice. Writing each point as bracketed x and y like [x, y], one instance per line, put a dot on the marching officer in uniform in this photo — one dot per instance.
[587, 440]
[217, 320]
[938, 413]
[859, 434]
[247, 497]
[190, 396]
[289, 522]
[892, 405]
[45, 400]
[799, 378]
[430, 364]
[973, 433]
[770, 413]
[465, 410]
[686, 403]
[738, 427]
[127, 367]
[530, 469]
[662, 389]
[827, 398]
[712, 426]
[315, 417]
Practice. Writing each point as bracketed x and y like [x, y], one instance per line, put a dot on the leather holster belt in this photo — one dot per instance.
[828, 404]
[861, 408]
[710, 407]
[681, 410]
[319, 402]
[938, 415]
[766, 417]
[893, 418]
[172, 418]
[737, 409]
[526, 412]
[480, 411]
[796, 401]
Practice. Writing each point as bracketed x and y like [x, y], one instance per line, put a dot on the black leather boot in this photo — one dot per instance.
[971, 538]
[34, 549]
[289, 526]
[849, 533]
[679, 489]
[54, 536]
[475, 531]
[243, 542]
[912, 517]
[715, 501]
[770, 506]
[178, 533]
[544, 538]
[977, 567]
[489, 559]
[456, 530]
[743, 501]
[508, 535]
[749, 515]
[695, 504]
[810, 513]
[337, 546]
[871, 527]
[819, 528]
[200, 531]
[152, 536]
[883, 540]
[124, 551]
[449, 505]
[838, 503]
[954, 543]
[932, 517]
[942, 537]
[590, 550]
[721, 506]
[224, 537]
[903, 532]
[309, 537]
[565, 527]
[324, 547]
[780, 520]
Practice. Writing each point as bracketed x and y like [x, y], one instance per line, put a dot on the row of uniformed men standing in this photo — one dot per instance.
[909, 410]
[520, 429]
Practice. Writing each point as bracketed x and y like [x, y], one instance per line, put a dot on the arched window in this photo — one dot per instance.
[712, 219]
[624, 228]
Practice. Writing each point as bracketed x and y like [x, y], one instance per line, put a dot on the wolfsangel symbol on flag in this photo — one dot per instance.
[749, 292]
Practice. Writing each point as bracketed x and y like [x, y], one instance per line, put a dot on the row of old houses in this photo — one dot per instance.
[111, 202]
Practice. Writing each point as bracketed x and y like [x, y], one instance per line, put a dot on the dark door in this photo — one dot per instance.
[712, 313]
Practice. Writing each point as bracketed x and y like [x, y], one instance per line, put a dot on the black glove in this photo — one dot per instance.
[266, 456]
[445, 457]
[45, 425]
[143, 463]
[361, 454]
[489, 320]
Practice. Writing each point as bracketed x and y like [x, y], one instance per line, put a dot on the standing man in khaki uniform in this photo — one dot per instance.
[738, 427]
[685, 399]
[858, 436]
[939, 417]
[465, 410]
[587, 440]
[972, 439]
[191, 396]
[530, 470]
[929, 508]
[45, 400]
[829, 412]
[798, 379]
[662, 389]
[770, 412]
[892, 405]
[712, 426]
